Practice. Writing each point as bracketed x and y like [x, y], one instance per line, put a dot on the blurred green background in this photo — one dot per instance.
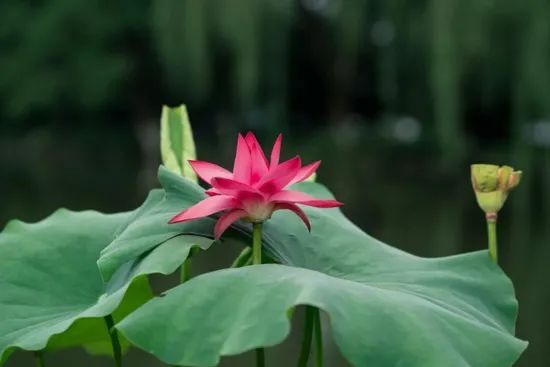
[396, 97]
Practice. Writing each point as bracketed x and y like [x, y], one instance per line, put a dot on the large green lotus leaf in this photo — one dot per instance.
[149, 227]
[387, 307]
[92, 334]
[51, 293]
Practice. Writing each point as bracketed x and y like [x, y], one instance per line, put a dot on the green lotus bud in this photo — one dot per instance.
[177, 146]
[492, 184]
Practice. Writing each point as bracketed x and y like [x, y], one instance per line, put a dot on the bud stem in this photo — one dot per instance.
[492, 236]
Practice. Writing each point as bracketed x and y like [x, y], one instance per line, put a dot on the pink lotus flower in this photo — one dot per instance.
[255, 188]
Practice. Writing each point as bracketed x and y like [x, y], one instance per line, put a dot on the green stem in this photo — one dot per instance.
[117, 353]
[492, 237]
[318, 339]
[257, 260]
[308, 336]
[243, 258]
[185, 270]
[257, 244]
[39, 358]
[260, 357]
[185, 273]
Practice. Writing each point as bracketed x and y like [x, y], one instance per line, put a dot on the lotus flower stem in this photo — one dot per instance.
[492, 236]
[308, 336]
[257, 243]
[117, 353]
[39, 358]
[318, 339]
[257, 260]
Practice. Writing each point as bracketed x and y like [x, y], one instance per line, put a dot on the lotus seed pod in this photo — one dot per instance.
[492, 185]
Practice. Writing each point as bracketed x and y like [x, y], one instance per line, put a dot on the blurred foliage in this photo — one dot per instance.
[63, 57]
[457, 67]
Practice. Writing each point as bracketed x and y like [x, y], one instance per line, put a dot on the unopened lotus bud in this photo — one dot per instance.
[491, 185]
